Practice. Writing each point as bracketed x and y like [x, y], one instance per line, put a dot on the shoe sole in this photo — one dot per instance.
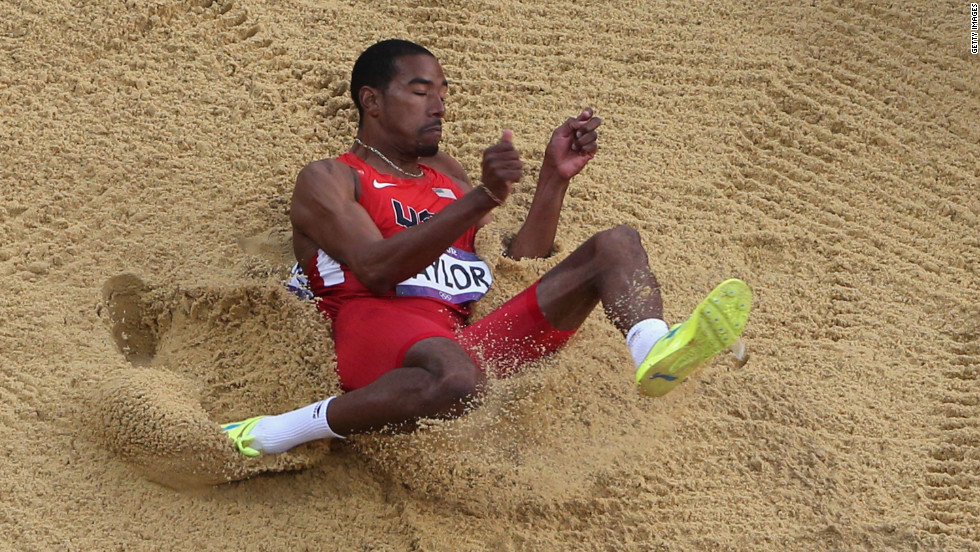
[714, 326]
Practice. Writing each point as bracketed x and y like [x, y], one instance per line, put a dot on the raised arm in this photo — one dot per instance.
[572, 146]
[325, 214]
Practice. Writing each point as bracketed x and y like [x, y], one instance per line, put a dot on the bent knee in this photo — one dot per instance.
[622, 233]
[453, 378]
[617, 240]
[459, 385]
[454, 387]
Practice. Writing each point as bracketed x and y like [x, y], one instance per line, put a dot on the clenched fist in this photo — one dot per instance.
[502, 166]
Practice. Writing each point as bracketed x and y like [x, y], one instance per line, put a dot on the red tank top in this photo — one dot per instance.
[395, 204]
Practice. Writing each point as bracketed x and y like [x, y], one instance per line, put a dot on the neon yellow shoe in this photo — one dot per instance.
[241, 434]
[713, 327]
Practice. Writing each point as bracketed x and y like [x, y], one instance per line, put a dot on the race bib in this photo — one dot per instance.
[457, 276]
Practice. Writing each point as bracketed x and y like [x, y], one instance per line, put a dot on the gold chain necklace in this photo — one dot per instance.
[386, 160]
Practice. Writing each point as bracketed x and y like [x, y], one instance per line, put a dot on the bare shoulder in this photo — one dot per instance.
[322, 186]
[446, 164]
[323, 172]
[326, 176]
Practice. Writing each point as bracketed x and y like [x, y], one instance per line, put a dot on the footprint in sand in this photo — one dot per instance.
[199, 357]
[133, 336]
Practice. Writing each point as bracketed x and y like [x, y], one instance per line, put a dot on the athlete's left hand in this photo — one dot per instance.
[573, 144]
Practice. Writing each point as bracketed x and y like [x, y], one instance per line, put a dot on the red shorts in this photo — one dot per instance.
[372, 334]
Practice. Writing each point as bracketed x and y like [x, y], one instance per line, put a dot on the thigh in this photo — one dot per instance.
[372, 336]
[512, 335]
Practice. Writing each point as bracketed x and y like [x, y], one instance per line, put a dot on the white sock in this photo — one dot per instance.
[275, 434]
[642, 337]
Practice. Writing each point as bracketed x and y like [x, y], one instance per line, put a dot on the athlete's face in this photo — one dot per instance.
[414, 104]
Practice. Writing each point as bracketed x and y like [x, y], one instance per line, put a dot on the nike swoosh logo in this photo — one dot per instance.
[380, 185]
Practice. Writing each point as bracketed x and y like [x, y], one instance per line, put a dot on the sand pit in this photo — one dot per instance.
[826, 154]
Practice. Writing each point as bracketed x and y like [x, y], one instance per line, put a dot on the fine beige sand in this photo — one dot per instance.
[824, 152]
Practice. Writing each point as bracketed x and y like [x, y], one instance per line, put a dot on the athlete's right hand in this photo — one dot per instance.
[502, 165]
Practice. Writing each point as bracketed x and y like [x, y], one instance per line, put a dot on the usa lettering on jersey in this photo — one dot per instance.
[407, 216]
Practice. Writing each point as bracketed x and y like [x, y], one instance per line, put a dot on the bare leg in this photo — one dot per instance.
[611, 267]
[438, 380]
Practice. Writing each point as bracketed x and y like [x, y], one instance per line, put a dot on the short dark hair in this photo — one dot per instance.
[376, 66]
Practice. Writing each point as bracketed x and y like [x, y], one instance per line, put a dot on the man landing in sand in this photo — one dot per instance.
[385, 234]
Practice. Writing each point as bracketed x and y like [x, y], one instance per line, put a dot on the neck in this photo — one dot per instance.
[381, 159]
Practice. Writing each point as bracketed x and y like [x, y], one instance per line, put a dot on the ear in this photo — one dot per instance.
[370, 100]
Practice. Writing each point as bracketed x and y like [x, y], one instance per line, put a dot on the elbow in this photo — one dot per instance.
[376, 281]
[523, 251]
[376, 274]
